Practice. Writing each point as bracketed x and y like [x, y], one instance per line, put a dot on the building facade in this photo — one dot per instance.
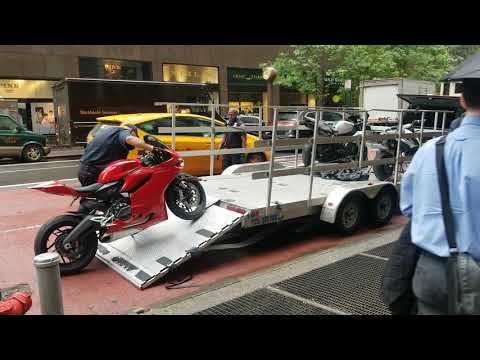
[28, 72]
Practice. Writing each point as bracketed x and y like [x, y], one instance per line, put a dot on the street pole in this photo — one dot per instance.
[49, 286]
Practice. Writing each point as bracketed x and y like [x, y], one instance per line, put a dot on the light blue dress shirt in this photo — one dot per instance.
[420, 194]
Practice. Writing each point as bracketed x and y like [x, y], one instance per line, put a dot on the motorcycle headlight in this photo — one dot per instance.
[180, 163]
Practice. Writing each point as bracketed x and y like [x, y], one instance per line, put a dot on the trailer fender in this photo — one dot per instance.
[337, 195]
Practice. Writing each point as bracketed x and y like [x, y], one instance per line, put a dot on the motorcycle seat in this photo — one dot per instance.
[88, 188]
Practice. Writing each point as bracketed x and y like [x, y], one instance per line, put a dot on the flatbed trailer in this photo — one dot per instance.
[235, 202]
[261, 196]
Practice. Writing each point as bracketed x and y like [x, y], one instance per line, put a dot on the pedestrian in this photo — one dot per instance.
[424, 203]
[233, 140]
[396, 291]
[111, 144]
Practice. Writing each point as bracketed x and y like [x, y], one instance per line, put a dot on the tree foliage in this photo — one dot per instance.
[308, 67]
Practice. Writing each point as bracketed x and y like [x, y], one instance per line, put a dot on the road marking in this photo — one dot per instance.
[40, 163]
[19, 229]
[35, 183]
[43, 169]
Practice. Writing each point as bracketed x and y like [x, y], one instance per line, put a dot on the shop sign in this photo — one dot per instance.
[97, 112]
[190, 73]
[243, 76]
[26, 89]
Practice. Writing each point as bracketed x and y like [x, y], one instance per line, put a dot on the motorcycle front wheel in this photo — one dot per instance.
[385, 172]
[186, 199]
[50, 239]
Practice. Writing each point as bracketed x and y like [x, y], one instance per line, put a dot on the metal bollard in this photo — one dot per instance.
[49, 287]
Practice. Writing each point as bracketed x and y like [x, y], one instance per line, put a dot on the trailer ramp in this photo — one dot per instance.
[149, 255]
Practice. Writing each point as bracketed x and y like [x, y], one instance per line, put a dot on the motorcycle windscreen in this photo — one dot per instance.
[56, 188]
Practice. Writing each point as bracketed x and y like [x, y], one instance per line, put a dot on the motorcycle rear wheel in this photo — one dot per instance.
[49, 239]
[195, 201]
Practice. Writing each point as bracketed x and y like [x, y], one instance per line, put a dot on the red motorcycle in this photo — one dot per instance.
[130, 196]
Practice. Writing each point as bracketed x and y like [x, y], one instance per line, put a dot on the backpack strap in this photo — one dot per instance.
[444, 194]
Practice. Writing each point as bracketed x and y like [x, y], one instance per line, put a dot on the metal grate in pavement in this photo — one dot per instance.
[264, 302]
[350, 285]
[382, 251]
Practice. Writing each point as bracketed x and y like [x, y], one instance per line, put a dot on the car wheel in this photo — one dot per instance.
[32, 153]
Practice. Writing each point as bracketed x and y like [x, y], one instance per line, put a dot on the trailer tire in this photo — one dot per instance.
[382, 207]
[350, 214]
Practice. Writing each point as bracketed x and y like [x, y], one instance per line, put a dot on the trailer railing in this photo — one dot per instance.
[274, 145]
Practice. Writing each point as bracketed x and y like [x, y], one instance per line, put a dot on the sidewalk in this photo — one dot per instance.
[344, 280]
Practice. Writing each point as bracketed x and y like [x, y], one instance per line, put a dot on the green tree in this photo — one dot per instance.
[458, 53]
[420, 62]
[306, 67]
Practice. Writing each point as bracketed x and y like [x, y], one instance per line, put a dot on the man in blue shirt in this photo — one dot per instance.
[420, 201]
[111, 144]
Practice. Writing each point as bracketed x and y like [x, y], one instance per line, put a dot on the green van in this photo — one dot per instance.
[18, 143]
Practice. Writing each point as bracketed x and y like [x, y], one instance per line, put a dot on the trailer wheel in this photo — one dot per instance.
[382, 207]
[350, 215]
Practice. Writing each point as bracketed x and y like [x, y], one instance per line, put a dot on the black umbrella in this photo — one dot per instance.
[469, 69]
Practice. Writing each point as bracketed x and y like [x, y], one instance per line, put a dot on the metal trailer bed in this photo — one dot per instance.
[235, 201]
[245, 198]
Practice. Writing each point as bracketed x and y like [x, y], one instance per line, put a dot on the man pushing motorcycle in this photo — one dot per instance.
[118, 197]
[111, 144]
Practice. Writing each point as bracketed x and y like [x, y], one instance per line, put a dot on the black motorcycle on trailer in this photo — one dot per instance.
[388, 149]
[337, 152]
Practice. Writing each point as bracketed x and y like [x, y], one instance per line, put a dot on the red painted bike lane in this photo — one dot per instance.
[98, 289]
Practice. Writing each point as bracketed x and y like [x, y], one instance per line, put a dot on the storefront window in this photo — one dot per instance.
[30, 103]
[114, 69]
[246, 103]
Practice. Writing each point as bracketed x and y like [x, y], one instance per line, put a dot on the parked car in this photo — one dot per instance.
[19, 143]
[251, 120]
[153, 122]
[307, 121]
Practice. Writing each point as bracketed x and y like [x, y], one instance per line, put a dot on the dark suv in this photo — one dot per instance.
[430, 102]
[18, 143]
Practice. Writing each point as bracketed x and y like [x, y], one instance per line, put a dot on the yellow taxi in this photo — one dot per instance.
[153, 122]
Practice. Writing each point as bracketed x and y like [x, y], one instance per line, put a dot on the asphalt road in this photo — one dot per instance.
[23, 173]
[13, 175]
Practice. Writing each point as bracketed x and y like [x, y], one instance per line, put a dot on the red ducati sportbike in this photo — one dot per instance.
[130, 196]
